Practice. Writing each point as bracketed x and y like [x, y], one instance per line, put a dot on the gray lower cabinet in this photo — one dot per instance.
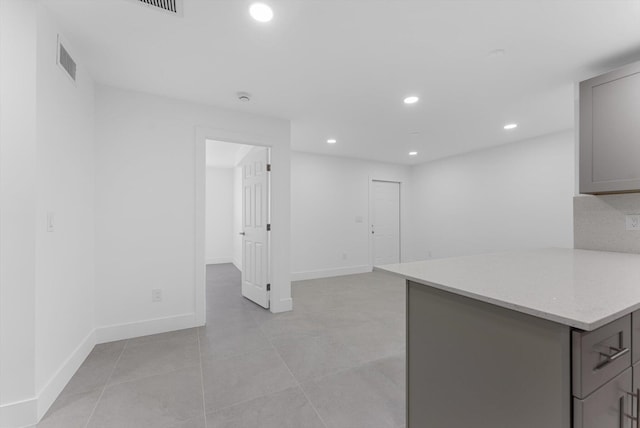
[600, 355]
[473, 364]
[610, 132]
[610, 406]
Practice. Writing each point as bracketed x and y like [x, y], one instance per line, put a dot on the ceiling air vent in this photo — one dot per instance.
[170, 6]
[65, 61]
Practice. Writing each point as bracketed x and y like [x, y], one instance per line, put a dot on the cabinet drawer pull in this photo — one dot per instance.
[631, 416]
[617, 353]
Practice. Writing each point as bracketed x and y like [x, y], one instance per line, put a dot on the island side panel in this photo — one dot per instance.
[472, 364]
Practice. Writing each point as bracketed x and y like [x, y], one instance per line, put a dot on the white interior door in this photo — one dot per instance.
[255, 218]
[385, 222]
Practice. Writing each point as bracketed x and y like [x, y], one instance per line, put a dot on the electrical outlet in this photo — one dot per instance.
[156, 295]
[633, 221]
[344, 256]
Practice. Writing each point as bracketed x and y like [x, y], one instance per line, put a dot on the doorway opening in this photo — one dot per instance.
[384, 235]
[237, 215]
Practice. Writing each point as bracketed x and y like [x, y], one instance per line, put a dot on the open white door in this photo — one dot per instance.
[255, 220]
[385, 222]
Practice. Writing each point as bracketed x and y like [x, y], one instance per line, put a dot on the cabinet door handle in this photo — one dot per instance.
[637, 396]
[609, 358]
[624, 414]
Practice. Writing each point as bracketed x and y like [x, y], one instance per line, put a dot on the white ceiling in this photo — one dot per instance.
[341, 68]
[225, 155]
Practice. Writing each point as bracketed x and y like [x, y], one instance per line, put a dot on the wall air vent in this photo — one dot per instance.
[171, 6]
[65, 61]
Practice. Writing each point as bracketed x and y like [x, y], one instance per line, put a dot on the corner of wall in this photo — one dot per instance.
[30, 411]
[19, 414]
[52, 389]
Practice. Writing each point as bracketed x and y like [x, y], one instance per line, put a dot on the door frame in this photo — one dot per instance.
[202, 135]
[400, 214]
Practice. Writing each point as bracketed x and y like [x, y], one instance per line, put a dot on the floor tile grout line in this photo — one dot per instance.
[298, 384]
[204, 405]
[258, 396]
[324, 424]
[272, 339]
[152, 375]
[239, 403]
[104, 387]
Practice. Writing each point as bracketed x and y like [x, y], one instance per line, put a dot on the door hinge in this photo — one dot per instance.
[269, 228]
[268, 167]
[268, 287]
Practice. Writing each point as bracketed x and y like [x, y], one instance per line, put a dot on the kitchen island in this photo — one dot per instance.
[528, 339]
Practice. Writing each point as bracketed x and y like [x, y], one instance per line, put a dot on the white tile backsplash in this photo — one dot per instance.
[600, 222]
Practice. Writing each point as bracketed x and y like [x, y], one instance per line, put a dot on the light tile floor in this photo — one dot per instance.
[336, 361]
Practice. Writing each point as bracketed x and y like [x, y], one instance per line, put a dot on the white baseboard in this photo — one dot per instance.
[59, 380]
[27, 413]
[283, 305]
[219, 260]
[237, 264]
[19, 414]
[328, 273]
[144, 328]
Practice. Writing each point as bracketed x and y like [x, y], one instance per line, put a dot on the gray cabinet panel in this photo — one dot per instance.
[610, 132]
[607, 406]
[472, 364]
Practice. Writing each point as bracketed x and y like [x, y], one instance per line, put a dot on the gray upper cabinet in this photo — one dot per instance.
[610, 132]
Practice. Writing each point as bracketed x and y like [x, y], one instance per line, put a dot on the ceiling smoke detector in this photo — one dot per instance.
[497, 53]
[244, 97]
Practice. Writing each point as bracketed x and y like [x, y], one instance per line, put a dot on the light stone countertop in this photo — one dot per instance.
[579, 288]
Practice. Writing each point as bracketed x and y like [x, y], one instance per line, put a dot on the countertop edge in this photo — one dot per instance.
[582, 325]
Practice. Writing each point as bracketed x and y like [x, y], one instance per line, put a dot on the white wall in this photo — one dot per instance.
[18, 22]
[220, 215]
[65, 299]
[47, 290]
[146, 207]
[327, 194]
[509, 197]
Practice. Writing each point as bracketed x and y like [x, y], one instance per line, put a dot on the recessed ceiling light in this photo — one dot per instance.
[412, 99]
[332, 141]
[413, 153]
[261, 12]
[511, 126]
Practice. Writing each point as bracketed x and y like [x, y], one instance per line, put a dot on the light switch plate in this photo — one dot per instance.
[633, 221]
